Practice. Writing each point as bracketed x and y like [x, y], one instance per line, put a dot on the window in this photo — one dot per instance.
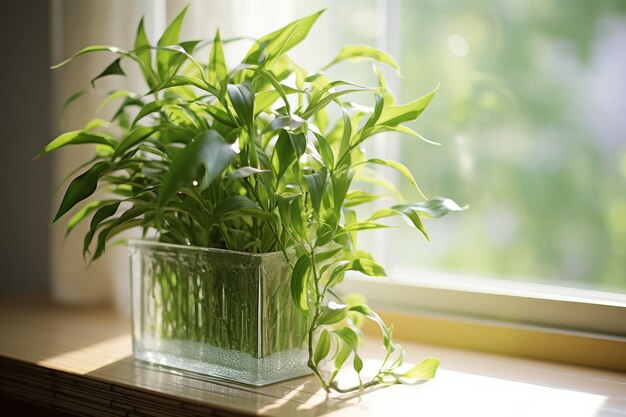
[530, 116]
[534, 136]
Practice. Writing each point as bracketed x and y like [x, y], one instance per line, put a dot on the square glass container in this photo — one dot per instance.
[216, 312]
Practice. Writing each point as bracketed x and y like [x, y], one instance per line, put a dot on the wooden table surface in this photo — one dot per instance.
[80, 360]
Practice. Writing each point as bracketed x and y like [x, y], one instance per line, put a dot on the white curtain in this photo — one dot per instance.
[76, 24]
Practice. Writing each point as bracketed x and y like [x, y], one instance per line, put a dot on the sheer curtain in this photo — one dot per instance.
[76, 24]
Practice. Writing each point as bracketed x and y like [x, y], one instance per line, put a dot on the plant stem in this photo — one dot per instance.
[318, 303]
[368, 384]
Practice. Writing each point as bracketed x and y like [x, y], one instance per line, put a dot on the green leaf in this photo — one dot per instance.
[342, 355]
[149, 148]
[130, 99]
[221, 116]
[378, 109]
[296, 212]
[315, 107]
[113, 69]
[271, 46]
[372, 315]
[400, 129]
[357, 363]
[99, 216]
[242, 97]
[81, 187]
[364, 266]
[398, 167]
[436, 207]
[111, 231]
[283, 155]
[349, 337]
[182, 53]
[325, 150]
[357, 197]
[406, 212]
[264, 99]
[284, 209]
[321, 87]
[89, 49]
[183, 80]
[189, 47]
[169, 38]
[298, 142]
[299, 283]
[322, 348]
[356, 52]
[76, 137]
[285, 122]
[327, 253]
[259, 214]
[394, 115]
[350, 218]
[71, 99]
[316, 183]
[341, 181]
[267, 75]
[85, 211]
[135, 136]
[373, 177]
[209, 150]
[385, 91]
[325, 234]
[246, 172]
[95, 124]
[423, 371]
[232, 136]
[230, 205]
[148, 108]
[217, 62]
[144, 57]
[332, 313]
[345, 137]
[177, 55]
[363, 225]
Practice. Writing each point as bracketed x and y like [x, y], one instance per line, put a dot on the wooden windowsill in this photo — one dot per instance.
[80, 361]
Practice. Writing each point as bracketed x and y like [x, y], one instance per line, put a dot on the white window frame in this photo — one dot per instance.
[497, 300]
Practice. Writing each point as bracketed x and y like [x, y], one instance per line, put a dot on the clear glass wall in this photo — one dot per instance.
[217, 312]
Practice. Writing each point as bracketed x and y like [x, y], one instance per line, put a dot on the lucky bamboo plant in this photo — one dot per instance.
[249, 159]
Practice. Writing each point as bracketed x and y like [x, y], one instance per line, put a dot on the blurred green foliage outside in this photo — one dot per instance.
[531, 115]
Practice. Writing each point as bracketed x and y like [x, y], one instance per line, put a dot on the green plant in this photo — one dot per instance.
[246, 159]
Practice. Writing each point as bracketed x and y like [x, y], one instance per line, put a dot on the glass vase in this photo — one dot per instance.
[217, 312]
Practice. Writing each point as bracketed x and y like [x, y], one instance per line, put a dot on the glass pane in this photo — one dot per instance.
[531, 116]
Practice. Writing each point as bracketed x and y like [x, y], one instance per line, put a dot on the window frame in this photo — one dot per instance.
[540, 305]
[462, 297]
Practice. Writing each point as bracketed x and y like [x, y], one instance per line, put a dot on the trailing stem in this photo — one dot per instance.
[313, 326]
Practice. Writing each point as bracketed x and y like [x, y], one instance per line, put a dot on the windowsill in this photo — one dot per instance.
[80, 360]
[537, 321]
[547, 306]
